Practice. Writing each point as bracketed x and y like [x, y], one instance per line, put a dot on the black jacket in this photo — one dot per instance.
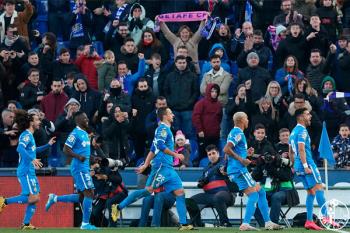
[29, 95]
[343, 79]
[161, 79]
[143, 102]
[181, 90]
[264, 55]
[60, 70]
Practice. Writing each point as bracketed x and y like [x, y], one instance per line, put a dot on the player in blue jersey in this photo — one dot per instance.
[162, 174]
[306, 169]
[27, 124]
[77, 146]
[237, 150]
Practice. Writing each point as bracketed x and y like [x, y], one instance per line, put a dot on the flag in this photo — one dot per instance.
[337, 95]
[325, 148]
[248, 11]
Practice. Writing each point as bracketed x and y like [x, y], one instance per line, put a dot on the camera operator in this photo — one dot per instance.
[109, 188]
[216, 192]
[274, 172]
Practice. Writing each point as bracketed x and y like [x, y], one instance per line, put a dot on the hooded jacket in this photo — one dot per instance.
[53, 105]
[89, 100]
[224, 60]
[106, 73]
[137, 26]
[207, 114]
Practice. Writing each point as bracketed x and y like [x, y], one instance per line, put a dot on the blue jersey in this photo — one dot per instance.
[237, 138]
[27, 153]
[163, 138]
[300, 135]
[79, 141]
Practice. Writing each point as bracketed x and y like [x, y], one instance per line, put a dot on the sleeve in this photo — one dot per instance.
[22, 145]
[302, 136]
[42, 148]
[160, 138]
[71, 140]
[171, 37]
[234, 138]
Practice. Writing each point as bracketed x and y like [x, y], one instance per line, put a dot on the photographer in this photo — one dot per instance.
[8, 140]
[275, 175]
[109, 188]
[216, 192]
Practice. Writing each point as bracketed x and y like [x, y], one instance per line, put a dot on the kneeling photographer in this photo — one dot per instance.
[109, 189]
[274, 172]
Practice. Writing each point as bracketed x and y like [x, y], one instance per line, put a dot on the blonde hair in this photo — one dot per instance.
[108, 53]
[266, 99]
[237, 117]
[267, 94]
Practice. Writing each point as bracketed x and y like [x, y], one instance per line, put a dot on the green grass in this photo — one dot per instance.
[147, 230]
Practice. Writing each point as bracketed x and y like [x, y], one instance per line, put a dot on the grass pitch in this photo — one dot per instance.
[151, 230]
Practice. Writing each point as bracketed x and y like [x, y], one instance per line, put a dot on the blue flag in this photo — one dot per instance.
[248, 11]
[325, 148]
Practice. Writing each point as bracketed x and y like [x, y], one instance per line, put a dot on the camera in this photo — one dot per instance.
[114, 163]
[268, 157]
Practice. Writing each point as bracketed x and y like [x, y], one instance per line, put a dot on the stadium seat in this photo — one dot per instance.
[61, 45]
[204, 162]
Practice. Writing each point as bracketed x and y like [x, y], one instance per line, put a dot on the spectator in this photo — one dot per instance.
[219, 76]
[334, 111]
[63, 66]
[302, 86]
[306, 8]
[88, 98]
[181, 92]
[182, 146]
[282, 147]
[152, 120]
[185, 37]
[219, 50]
[53, 103]
[341, 147]
[155, 75]
[32, 62]
[106, 70]
[118, 12]
[138, 22]
[15, 43]
[279, 102]
[128, 53]
[319, 67]
[330, 19]
[240, 37]
[149, 45]
[343, 80]
[128, 80]
[206, 118]
[69, 88]
[294, 44]
[238, 103]
[10, 82]
[142, 104]
[259, 76]
[216, 192]
[115, 37]
[85, 64]
[287, 75]
[288, 15]
[8, 140]
[47, 50]
[182, 51]
[115, 131]
[59, 16]
[33, 92]
[13, 105]
[11, 16]
[255, 44]
[223, 36]
[317, 36]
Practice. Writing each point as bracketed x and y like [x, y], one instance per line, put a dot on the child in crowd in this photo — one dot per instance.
[341, 147]
[106, 70]
[182, 146]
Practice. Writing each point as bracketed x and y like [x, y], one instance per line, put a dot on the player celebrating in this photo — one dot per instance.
[306, 169]
[237, 171]
[163, 173]
[27, 124]
[77, 146]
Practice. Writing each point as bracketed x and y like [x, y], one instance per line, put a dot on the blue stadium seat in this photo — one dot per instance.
[61, 45]
[204, 162]
[99, 47]
[194, 150]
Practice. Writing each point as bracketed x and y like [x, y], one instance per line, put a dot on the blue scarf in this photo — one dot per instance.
[78, 28]
[248, 11]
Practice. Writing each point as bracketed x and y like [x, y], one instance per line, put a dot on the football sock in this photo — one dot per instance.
[250, 208]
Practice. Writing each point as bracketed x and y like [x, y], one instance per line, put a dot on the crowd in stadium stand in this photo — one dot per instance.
[267, 58]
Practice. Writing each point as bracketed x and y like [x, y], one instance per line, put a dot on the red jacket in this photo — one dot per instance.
[207, 114]
[53, 105]
[87, 67]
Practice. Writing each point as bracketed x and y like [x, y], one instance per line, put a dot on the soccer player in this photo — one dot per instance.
[162, 173]
[77, 146]
[236, 149]
[27, 124]
[306, 169]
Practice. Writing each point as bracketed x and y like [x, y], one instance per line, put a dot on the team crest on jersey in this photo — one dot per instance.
[163, 133]
[238, 137]
[304, 135]
[71, 138]
[26, 138]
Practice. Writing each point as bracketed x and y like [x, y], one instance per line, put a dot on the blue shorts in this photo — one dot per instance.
[83, 181]
[29, 185]
[166, 177]
[243, 180]
[310, 180]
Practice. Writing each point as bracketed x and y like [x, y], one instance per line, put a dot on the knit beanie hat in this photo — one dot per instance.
[180, 135]
[280, 28]
[252, 55]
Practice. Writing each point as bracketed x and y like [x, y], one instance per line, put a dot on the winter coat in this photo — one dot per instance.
[281, 77]
[60, 70]
[263, 52]
[321, 41]
[343, 79]
[342, 147]
[150, 73]
[181, 90]
[315, 74]
[137, 26]
[329, 20]
[225, 62]
[131, 59]
[106, 73]
[143, 102]
[53, 105]
[207, 114]
[87, 67]
[305, 7]
[29, 95]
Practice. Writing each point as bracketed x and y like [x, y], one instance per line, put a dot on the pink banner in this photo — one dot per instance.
[183, 16]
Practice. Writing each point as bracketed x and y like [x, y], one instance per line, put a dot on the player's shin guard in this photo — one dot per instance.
[263, 206]
[321, 200]
[309, 206]
[21, 199]
[250, 208]
[72, 198]
[87, 208]
[29, 213]
[181, 209]
[134, 196]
